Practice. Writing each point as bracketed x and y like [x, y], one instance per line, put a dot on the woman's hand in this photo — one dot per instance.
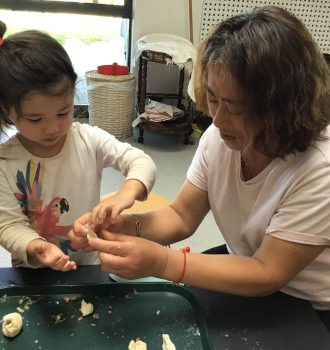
[130, 257]
[48, 254]
[78, 233]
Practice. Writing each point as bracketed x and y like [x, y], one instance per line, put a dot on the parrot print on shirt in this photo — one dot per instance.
[44, 220]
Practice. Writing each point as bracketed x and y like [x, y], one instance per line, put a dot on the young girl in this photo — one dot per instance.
[51, 170]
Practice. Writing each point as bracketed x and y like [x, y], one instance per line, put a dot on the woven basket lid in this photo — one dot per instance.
[94, 75]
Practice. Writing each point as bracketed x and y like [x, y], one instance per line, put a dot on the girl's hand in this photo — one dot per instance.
[48, 254]
[78, 234]
[130, 257]
[105, 214]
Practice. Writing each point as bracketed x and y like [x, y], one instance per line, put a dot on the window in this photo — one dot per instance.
[94, 32]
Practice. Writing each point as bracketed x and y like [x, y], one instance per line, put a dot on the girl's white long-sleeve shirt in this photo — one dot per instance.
[44, 196]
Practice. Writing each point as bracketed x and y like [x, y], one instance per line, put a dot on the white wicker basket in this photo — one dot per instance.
[111, 100]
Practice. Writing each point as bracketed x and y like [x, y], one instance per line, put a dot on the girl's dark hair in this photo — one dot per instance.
[281, 71]
[31, 61]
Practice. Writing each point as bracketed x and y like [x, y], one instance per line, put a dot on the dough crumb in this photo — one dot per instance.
[58, 318]
[137, 345]
[86, 308]
[19, 309]
[68, 299]
[12, 324]
[167, 343]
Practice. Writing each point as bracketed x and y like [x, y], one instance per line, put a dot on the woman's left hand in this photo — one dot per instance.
[130, 257]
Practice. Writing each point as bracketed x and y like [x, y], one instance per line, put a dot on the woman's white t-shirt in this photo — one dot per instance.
[289, 199]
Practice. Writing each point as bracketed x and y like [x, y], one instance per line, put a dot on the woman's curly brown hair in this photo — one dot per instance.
[283, 74]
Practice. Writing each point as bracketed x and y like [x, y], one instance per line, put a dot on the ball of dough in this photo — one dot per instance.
[12, 324]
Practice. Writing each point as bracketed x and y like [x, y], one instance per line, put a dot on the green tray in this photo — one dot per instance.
[139, 310]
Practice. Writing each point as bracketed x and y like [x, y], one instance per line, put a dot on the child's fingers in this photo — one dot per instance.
[106, 223]
[80, 226]
[97, 214]
[53, 258]
[70, 265]
[59, 262]
[114, 213]
[64, 264]
[78, 242]
[102, 213]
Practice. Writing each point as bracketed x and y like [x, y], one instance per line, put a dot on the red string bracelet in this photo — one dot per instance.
[184, 251]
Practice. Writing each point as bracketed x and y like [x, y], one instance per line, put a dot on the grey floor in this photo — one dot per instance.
[172, 159]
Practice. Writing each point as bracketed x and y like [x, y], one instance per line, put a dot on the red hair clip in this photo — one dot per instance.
[1, 41]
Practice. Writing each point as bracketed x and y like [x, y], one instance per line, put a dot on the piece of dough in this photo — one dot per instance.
[137, 345]
[86, 308]
[91, 234]
[12, 324]
[167, 343]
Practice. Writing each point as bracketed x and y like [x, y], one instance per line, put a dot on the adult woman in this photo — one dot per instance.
[263, 168]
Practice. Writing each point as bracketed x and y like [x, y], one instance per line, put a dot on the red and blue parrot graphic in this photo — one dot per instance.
[43, 220]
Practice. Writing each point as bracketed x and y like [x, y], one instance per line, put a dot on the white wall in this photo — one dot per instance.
[164, 16]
